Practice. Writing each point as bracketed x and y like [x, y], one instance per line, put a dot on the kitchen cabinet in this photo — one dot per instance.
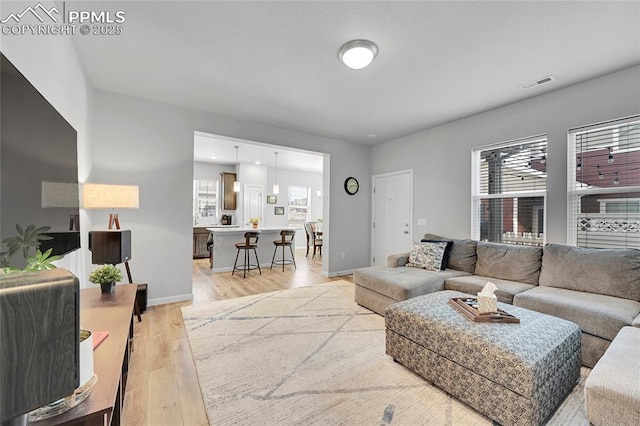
[200, 238]
[228, 196]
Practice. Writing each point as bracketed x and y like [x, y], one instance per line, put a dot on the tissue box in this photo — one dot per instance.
[487, 304]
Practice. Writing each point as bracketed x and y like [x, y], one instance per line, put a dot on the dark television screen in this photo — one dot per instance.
[38, 164]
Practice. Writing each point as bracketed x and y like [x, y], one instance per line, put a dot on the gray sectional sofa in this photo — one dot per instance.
[598, 289]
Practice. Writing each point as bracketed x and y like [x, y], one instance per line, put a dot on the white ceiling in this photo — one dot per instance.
[276, 62]
[221, 150]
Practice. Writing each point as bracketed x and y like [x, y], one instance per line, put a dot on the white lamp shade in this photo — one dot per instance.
[276, 189]
[236, 186]
[60, 194]
[103, 196]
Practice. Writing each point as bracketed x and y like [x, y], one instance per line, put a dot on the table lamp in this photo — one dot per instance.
[104, 196]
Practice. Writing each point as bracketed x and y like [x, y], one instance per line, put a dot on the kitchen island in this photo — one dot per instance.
[225, 238]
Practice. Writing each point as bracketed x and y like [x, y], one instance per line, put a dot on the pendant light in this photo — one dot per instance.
[276, 187]
[236, 183]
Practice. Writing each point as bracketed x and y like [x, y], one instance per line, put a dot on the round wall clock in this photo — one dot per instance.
[351, 185]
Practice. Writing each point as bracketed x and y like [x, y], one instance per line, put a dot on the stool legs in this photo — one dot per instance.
[293, 257]
[257, 261]
[236, 262]
[283, 261]
[246, 266]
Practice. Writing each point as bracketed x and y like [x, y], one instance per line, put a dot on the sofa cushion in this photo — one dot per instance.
[474, 283]
[611, 272]
[403, 282]
[463, 253]
[428, 256]
[509, 262]
[612, 392]
[596, 314]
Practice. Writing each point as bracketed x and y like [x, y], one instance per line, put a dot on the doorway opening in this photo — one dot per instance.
[269, 180]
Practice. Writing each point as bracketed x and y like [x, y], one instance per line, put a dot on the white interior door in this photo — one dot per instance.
[253, 206]
[392, 215]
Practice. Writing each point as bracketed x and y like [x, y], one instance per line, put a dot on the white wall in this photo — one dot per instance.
[288, 178]
[51, 65]
[150, 144]
[441, 157]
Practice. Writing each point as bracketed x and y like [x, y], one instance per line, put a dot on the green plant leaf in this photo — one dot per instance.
[42, 261]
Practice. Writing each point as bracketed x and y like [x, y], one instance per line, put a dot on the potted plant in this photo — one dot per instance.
[254, 221]
[106, 276]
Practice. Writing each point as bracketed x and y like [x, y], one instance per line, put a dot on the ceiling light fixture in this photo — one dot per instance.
[276, 187]
[357, 54]
[236, 183]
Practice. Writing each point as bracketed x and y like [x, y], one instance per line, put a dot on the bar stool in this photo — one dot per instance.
[287, 237]
[250, 243]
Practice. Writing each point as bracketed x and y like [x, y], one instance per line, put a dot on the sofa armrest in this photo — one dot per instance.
[636, 322]
[396, 260]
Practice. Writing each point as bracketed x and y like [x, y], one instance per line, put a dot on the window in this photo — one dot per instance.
[509, 192]
[205, 201]
[299, 199]
[603, 171]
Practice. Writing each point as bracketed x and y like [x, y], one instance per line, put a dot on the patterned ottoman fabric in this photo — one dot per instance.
[512, 373]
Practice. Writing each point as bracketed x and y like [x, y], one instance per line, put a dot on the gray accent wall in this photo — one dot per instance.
[441, 157]
[150, 144]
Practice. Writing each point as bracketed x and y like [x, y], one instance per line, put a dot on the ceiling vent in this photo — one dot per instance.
[540, 82]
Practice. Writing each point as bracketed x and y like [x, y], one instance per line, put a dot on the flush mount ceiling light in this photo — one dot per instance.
[357, 54]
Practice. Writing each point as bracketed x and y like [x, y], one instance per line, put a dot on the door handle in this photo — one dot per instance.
[406, 232]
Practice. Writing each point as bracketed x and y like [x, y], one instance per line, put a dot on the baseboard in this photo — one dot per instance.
[172, 299]
[337, 274]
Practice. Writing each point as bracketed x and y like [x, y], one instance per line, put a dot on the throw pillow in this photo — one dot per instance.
[427, 255]
[447, 251]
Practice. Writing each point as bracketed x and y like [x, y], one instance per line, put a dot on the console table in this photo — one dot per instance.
[98, 312]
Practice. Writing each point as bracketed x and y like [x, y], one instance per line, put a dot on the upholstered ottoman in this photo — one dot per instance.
[612, 390]
[515, 374]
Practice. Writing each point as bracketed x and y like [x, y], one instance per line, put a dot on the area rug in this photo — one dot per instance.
[311, 355]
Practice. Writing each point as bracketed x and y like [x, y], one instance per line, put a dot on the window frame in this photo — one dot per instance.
[289, 205]
[477, 196]
[574, 194]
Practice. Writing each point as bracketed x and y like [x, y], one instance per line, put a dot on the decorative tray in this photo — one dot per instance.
[468, 306]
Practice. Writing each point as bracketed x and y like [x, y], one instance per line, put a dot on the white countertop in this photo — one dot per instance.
[241, 229]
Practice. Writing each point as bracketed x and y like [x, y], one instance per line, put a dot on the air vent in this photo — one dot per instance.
[537, 83]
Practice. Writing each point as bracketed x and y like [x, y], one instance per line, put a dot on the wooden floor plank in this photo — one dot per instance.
[163, 386]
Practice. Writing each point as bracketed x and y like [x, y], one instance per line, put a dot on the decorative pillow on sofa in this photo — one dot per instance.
[427, 255]
[447, 251]
[463, 253]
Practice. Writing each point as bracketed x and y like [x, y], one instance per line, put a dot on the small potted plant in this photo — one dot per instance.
[106, 276]
[254, 221]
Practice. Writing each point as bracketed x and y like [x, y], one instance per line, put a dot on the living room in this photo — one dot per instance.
[129, 133]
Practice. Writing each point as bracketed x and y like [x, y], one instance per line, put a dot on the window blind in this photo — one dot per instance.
[509, 191]
[299, 203]
[604, 184]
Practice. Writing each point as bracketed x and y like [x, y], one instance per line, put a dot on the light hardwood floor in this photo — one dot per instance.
[162, 387]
